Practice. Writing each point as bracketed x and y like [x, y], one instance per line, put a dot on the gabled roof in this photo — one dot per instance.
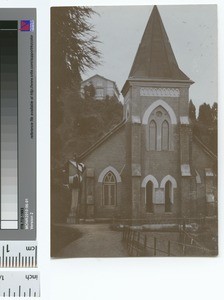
[155, 58]
[205, 148]
[103, 139]
[104, 78]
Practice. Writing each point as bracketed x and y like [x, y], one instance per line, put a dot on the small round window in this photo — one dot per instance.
[159, 114]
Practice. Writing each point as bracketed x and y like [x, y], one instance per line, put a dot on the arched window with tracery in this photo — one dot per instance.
[159, 130]
[109, 189]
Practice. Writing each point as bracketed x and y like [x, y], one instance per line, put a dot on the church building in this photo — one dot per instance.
[150, 165]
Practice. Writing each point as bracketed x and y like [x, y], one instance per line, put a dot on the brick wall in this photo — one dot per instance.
[110, 153]
[127, 152]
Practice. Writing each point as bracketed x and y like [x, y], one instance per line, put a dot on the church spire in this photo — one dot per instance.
[155, 58]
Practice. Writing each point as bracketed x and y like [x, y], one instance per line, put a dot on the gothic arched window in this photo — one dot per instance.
[159, 130]
[152, 135]
[109, 189]
[165, 135]
[168, 196]
[149, 196]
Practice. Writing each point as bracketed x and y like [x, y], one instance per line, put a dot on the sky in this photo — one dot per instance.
[192, 31]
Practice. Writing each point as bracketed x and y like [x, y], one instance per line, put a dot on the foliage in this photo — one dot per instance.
[205, 114]
[73, 46]
[205, 126]
[192, 111]
[89, 91]
[90, 120]
[73, 50]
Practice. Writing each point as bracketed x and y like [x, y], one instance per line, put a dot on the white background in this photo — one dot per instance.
[128, 278]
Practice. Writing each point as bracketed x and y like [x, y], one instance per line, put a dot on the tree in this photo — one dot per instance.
[205, 114]
[89, 91]
[215, 113]
[206, 126]
[192, 111]
[214, 127]
[73, 46]
[73, 50]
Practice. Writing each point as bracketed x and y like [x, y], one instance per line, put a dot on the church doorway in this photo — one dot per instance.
[168, 190]
[109, 190]
[149, 197]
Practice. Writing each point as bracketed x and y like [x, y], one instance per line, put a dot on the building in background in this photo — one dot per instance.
[99, 88]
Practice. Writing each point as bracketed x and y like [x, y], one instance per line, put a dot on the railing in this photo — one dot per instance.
[157, 220]
[142, 244]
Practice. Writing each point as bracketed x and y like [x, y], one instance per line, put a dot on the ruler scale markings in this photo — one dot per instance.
[19, 284]
[3, 256]
[36, 256]
[18, 254]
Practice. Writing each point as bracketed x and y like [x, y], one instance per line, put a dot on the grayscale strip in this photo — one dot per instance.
[18, 124]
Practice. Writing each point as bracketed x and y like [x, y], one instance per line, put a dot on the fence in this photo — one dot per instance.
[142, 244]
[179, 221]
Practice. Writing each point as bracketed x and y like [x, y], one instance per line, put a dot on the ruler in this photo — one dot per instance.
[18, 254]
[19, 284]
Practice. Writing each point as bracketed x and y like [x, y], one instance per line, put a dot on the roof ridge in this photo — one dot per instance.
[102, 139]
[205, 148]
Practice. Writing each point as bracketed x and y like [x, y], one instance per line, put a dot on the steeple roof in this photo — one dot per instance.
[155, 58]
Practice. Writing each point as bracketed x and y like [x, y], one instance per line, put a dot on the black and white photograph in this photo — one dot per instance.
[134, 112]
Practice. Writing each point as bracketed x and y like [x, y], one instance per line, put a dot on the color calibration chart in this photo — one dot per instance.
[18, 246]
[9, 124]
[17, 124]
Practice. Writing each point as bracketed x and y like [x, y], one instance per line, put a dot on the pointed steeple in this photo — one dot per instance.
[155, 58]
